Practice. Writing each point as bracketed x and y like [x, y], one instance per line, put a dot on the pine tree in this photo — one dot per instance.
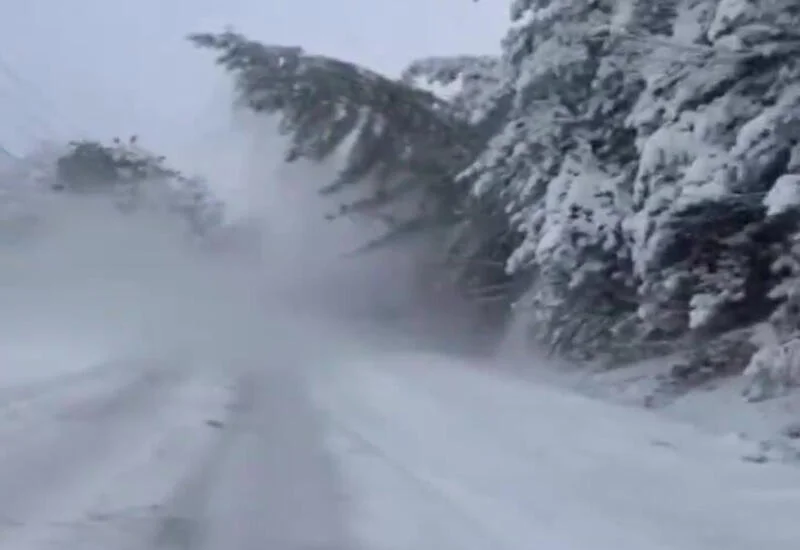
[470, 82]
[404, 145]
[403, 141]
[560, 166]
[615, 172]
[710, 133]
[136, 178]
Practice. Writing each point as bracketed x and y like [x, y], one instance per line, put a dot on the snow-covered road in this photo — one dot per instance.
[145, 455]
[365, 451]
[439, 454]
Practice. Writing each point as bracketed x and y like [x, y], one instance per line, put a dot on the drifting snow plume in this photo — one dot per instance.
[104, 279]
[308, 258]
[100, 278]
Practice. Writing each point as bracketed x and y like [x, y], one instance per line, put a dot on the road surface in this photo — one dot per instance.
[364, 451]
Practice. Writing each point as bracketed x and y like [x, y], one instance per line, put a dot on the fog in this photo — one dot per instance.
[85, 282]
[87, 278]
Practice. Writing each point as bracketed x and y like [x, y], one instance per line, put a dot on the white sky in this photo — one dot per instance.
[117, 67]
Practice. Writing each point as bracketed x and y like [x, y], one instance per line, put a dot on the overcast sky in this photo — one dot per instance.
[116, 67]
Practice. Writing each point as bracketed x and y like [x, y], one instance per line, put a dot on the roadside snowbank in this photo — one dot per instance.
[766, 430]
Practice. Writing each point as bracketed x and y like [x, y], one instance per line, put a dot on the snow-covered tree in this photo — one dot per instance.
[627, 169]
[405, 142]
[640, 141]
[561, 166]
[468, 82]
[403, 145]
[712, 131]
[137, 178]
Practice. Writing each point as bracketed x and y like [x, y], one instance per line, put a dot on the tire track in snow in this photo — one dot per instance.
[185, 514]
[426, 489]
[268, 484]
[135, 505]
[59, 455]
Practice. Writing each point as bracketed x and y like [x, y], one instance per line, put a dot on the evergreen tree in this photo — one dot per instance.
[709, 132]
[136, 178]
[560, 166]
[625, 170]
[468, 82]
[403, 145]
[405, 142]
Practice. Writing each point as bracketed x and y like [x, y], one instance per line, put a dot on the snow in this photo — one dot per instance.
[397, 450]
[703, 307]
[41, 359]
[154, 397]
[784, 195]
[443, 91]
[688, 27]
[515, 465]
[357, 442]
[92, 459]
[728, 13]
[774, 370]
[718, 408]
